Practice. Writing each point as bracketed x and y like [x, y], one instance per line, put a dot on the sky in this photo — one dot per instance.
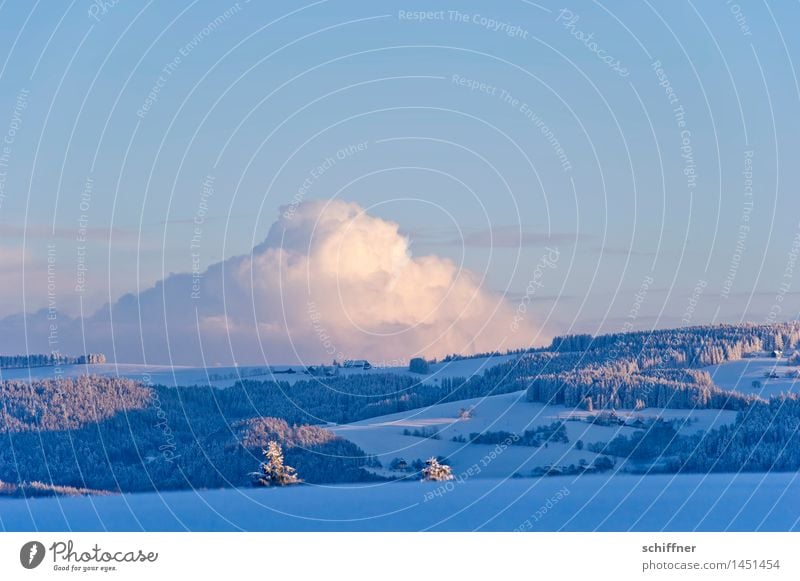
[595, 167]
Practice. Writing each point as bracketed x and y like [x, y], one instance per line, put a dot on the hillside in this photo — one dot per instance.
[422, 433]
[628, 402]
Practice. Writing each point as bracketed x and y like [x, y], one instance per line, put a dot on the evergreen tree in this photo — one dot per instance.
[418, 365]
[436, 472]
[274, 472]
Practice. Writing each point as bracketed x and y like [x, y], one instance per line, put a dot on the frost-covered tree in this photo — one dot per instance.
[274, 472]
[434, 471]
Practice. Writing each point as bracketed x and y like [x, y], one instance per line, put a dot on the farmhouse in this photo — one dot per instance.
[357, 364]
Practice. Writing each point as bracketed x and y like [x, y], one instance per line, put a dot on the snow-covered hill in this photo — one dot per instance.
[484, 496]
[389, 437]
[763, 376]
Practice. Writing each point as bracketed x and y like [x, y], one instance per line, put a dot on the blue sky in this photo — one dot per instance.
[449, 112]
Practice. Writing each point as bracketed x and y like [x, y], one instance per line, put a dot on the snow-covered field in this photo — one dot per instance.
[741, 375]
[717, 502]
[384, 436]
[158, 374]
[227, 376]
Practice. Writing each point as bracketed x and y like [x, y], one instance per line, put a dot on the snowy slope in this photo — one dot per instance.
[466, 367]
[384, 436]
[746, 502]
[157, 374]
[740, 375]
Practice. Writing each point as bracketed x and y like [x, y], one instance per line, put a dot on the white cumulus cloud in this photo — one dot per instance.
[329, 281]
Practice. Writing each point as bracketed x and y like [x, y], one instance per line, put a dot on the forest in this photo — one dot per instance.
[115, 434]
[48, 360]
[764, 438]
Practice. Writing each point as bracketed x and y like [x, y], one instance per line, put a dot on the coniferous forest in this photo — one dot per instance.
[114, 434]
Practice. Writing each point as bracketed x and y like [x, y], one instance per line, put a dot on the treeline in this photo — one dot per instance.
[630, 370]
[49, 360]
[36, 489]
[696, 346]
[606, 388]
[658, 369]
[66, 404]
[654, 369]
[764, 438]
[553, 433]
[113, 434]
[690, 346]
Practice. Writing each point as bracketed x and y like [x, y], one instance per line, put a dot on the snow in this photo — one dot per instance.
[227, 376]
[176, 375]
[157, 374]
[483, 496]
[690, 421]
[740, 375]
[716, 502]
[383, 436]
[466, 367]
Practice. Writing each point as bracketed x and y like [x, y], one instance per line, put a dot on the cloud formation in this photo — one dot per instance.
[329, 281]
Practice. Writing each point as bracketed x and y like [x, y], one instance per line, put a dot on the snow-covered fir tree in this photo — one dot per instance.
[435, 471]
[274, 472]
